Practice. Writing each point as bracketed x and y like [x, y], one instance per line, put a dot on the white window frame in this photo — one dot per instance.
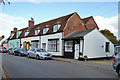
[37, 32]
[68, 46]
[53, 45]
[26, 33]
[56, 27]
[11, 35]
[45, 30]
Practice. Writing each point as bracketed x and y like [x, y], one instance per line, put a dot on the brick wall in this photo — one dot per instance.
[74, 23]
[91, 24]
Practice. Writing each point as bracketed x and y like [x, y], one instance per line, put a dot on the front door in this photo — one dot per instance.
[76, 53]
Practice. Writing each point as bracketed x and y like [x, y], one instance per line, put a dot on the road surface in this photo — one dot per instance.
[23, 67]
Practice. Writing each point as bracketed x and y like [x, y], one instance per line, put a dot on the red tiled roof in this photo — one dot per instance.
[61, 20]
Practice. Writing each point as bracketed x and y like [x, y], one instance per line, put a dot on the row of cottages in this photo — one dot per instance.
[68, 36]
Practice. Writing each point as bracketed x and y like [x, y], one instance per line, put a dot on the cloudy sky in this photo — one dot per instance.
[17, 14]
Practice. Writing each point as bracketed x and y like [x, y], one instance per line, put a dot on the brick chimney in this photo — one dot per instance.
[12, 31]
[3, 36]
[30, 23]
[15, 29]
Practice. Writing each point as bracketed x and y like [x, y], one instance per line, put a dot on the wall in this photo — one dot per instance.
[5, 45]
[44, 39]
[94, 45]
[74, 23]
[15, 43]
[28, 39]
[91, 24]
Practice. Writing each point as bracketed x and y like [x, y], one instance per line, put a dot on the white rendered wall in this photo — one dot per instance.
[35, 38]
[94, 45]
[44, 39]
[28, 39]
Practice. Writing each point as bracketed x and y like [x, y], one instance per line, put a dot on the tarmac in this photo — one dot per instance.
[87, 63]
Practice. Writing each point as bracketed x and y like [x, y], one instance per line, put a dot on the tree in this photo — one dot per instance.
[3, 1]
[119, 42]
[109, 36]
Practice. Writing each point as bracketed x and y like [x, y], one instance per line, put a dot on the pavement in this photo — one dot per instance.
[105, 64]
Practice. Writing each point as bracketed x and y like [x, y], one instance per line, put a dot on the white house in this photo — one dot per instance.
[88, 44]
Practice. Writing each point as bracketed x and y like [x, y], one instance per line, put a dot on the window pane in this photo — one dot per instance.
[68, 46]
[53, 46]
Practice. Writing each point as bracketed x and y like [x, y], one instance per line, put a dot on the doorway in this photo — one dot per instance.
[77, 49]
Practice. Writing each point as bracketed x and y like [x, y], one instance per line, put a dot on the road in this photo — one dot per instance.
[23, 67]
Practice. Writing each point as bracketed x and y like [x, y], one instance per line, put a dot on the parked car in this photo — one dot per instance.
[17, 51]
[39, 54]
[23, 51]
[116, 63]
[3, 49]
[11, 51]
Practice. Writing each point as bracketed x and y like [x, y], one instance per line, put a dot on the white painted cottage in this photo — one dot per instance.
[88, 44]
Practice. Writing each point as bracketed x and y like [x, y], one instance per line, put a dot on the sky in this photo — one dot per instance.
[17, 14]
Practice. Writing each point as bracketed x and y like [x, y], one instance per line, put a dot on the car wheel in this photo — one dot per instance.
[28, 55]
[20, 54]
[14, 54]
[37, 57]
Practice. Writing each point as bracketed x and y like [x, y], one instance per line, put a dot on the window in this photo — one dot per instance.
[45, 30]
[53, 45]
[18, 33]
[17, 45]
[11, 35]
[107, 48]
[56, 27]
[34, 44]
[37, 32]
[44, 46]
[26, 33]
[69, 46]
[32, 50]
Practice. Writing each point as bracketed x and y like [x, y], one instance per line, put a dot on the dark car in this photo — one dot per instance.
[17, 51]
[3, 49]
[116, 63]
[11, 51]
[23, 51]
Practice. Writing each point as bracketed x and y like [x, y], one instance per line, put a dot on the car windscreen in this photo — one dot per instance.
[38, 50]
[23, 49]
[43, 50]
[3, 48]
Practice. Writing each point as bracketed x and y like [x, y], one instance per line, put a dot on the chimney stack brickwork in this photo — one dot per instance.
[15, 29]
[30, 23]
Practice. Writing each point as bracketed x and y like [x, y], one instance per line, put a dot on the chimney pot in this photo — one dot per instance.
[15, 29]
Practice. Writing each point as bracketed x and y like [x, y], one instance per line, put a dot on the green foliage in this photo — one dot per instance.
[119, 42]
[109, 36]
